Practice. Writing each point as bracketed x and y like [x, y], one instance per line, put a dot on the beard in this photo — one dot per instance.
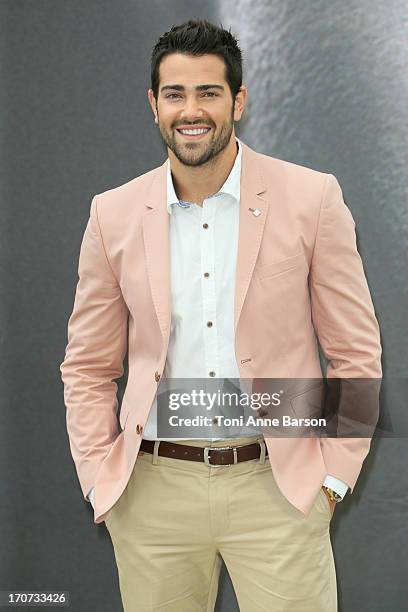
[197, 154]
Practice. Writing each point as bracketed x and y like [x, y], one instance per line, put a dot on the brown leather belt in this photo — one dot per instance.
[221, 455]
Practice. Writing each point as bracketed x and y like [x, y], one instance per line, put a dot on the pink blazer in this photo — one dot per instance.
[299, 275]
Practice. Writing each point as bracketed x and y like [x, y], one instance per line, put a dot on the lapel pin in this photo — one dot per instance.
[255, 211]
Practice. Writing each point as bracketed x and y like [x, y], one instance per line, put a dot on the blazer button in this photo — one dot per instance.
[139, 429]
[157, 376]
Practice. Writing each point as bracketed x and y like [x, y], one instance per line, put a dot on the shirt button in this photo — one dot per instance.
[206, 274]
[212, 373]
[209, 323]
[157, 376]
[215, 421]
[139, 429]
[205, 225]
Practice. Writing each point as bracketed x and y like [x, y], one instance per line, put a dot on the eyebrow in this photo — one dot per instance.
[198, 87]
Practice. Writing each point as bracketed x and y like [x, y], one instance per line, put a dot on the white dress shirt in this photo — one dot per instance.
[203, 265]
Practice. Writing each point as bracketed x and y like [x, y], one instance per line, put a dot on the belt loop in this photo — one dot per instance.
[261, 443]
[156, 452]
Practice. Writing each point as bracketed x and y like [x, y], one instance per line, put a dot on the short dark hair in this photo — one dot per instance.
[198, 37]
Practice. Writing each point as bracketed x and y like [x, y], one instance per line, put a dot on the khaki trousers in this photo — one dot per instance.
[176, 520]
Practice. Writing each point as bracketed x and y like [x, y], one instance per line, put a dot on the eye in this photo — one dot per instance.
[211, 94]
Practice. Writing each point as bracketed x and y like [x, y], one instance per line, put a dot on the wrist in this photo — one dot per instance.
[332, 495]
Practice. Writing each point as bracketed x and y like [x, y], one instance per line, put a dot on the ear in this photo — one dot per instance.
[152, 102]
[239, 102]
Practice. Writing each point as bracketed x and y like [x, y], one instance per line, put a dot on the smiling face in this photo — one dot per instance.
[194, 94]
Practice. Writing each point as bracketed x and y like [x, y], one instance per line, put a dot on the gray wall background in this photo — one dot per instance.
[327, 89]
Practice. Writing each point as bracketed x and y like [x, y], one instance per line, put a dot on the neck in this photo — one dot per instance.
[196, 183]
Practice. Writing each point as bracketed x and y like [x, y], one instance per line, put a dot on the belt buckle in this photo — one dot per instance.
[207, 449]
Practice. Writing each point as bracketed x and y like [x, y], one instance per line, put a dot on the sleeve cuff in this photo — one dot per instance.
[337, 485]
[91, 497]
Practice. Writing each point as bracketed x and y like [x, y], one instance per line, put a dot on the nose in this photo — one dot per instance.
[191, 109]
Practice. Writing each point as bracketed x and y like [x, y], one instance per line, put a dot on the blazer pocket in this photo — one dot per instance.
[310, 403]
[270, 270]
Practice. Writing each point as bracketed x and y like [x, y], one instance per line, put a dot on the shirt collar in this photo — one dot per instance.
[231, 185]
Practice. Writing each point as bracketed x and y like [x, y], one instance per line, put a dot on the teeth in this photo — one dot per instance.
[193, 132]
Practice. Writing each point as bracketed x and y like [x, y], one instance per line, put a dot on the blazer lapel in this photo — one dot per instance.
[156, 238]
[252, 216]
[156, 226]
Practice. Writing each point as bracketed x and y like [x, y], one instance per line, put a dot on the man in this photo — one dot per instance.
[220, 263]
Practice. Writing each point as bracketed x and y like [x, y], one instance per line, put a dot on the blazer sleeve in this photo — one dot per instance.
[97, 330]
[345, 323]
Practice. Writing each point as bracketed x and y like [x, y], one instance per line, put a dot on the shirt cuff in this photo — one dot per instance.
[91, 497]
[337, 485]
